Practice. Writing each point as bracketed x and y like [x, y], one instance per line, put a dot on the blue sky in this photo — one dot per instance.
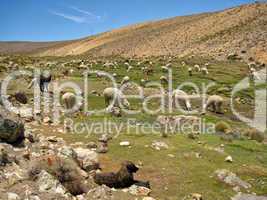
[49, 20]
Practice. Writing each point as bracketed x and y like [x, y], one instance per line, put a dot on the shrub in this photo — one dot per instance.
[254, 134]
[222, 127]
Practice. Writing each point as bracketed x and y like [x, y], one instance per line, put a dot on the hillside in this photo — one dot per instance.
[215, 34]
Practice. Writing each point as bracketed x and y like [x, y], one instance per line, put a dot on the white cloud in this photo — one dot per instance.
[81, 16]
[85, 12]
[77, 19]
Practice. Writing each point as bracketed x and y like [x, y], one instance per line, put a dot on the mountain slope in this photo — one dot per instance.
[210, 34]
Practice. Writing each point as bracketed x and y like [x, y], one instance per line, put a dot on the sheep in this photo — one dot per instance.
[197, 68]
[190, 71]
[216, 102]
[125, 79]
[115, 96]
[204, 70]
[163, 79]
[69, 100]
[183, 97]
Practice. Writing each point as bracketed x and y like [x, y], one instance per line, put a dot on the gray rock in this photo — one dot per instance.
[248, 197]
[102, 192]
[12, 196]
[11, 128]
[157, 145]
[47, 183]
[88, 159]
[231, 179]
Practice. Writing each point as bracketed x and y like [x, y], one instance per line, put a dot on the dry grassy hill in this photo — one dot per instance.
[215, 34]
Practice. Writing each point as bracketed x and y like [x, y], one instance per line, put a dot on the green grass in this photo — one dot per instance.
[174, 178]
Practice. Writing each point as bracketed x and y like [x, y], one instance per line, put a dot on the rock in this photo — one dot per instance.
[139, 190]
[26, 113]
[47, 120]
[4, 158]
[229, 159]
[47, 183]
[103, 147]
[196, 196]
[125, 143]
[67, 152]
[91, 145]
[248, 197]
[115, 111]
[102, 192]
[159, 145]
[88, 159]
[29, 135]
[104, 138]
[231, 179]
[148, 198]
[11, 129]
[12, 196]
[21, 97]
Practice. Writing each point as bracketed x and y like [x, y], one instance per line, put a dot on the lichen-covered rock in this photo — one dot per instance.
[88, 159]
[11, 128]
[231, 179]
[248, 197]
[47, 183]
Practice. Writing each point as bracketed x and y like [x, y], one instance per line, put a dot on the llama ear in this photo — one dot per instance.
[132, 168]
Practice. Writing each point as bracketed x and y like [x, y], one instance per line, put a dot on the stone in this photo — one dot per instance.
[47, 183]
[12, 196]
[91, 145]
[139, 190]
[103, 147]
[102, 192]
[157, 145]
[21, 97]
[67, 152]
[229, 159]
[125, 143]
[248, 197]
[231, 179]
[11, 130]
[47, 120]
[4, 158]
[88, 159]
[196, 196]
[148, 198]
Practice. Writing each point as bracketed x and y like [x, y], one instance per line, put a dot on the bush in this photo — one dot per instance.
[254, 134]
[222, 127]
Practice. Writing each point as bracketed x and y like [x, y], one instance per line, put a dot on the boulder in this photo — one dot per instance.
[88, 159]
[248, 197]
[231, 179]
[139, 190]
[21, 97]
[12, 196]
[157, 145]
[47, 183]
[11, 128]
[102, 192]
